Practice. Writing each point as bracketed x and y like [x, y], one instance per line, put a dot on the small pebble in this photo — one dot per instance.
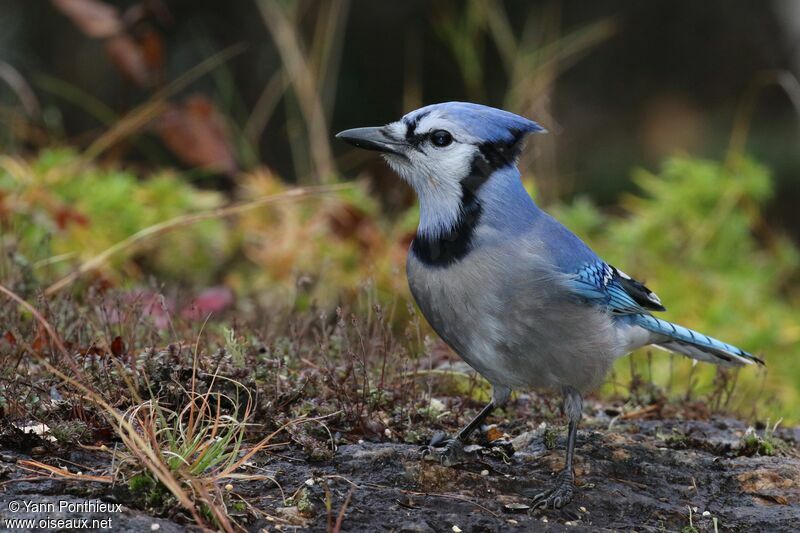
[229, 487]
[583, 509]
[484, 472]
[456, 529]
[706, 513]
[155, 527]
[310, 482]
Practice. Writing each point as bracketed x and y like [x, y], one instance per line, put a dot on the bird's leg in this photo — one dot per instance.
[450, 451]
[561, 494]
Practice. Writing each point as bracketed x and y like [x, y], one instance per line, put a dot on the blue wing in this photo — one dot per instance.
[601, 283]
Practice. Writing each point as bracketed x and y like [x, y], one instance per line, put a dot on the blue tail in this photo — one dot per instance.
[695, 345]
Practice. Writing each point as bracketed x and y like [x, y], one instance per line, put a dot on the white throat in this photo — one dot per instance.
[439, 208]
[439, 193]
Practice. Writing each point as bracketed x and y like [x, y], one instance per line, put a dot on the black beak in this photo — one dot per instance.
[371, 139]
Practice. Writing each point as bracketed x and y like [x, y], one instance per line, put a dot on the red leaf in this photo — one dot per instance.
[64, 215]
[197, 134]
[130, 59]
[94, 18]
[117, 346]
[40, 341]
[213, 300]
[152, 46]
[10, 338]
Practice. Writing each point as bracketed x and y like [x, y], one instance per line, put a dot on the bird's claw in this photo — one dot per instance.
[558, 496]
[448, 452]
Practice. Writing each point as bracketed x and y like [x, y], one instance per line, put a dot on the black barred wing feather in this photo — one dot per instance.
[605, 284]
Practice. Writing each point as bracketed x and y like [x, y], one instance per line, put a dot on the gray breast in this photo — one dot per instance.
[509, 317]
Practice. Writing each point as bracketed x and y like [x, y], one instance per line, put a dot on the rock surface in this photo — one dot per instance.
[638, 475]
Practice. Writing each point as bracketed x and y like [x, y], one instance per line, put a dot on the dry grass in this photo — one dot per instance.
[196, 428]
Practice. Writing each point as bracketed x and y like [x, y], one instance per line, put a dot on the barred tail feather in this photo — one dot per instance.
[695, 345]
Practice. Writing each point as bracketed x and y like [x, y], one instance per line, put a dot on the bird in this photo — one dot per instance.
[518, 296]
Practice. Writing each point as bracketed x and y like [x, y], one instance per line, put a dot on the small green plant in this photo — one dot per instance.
[765, 444]
[71, 431]
[675, 440]
[690, 528]
[302, 501]
[203, 438]
[202, 444]
[235, 346]
[549, 438]
[141, 483]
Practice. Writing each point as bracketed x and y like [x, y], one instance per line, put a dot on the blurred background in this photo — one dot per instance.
[128, 128]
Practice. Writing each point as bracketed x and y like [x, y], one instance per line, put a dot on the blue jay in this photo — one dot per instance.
[518, 296]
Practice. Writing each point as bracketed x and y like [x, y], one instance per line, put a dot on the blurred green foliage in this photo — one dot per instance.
[54, 208]
[695, 233]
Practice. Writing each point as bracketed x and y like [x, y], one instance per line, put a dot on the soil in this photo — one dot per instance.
[637, 475]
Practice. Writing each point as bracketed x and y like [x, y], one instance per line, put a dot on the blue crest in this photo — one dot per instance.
[484, 122]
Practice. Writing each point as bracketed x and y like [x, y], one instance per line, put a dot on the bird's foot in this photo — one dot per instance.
[557, 497]
[447, 451]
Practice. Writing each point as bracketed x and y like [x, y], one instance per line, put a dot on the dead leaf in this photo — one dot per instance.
[117, 346]
[494, 434]
[292, 515]
[774, 498]
[350, 222]
[129, 58]
[516, 507]
[196, 133]
[761, 480]
[152, 47]
[65, 215]
[94, 18]
[10, 338]
[40, 342]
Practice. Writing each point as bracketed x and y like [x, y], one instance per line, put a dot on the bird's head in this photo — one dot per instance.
[447, 150]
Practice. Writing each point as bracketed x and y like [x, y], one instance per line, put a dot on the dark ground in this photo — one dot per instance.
[641, 475]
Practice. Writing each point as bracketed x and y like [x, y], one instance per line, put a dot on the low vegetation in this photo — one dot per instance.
[193, 375]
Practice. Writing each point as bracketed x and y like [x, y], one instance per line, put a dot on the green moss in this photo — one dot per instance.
[71, 431]
[141, 483]
[549, 438]
[765, 444]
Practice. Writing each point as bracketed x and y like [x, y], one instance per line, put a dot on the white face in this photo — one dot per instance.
[439, 156]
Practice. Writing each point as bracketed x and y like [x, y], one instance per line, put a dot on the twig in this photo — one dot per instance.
[305, 86]
[36, 466]
[337, 527]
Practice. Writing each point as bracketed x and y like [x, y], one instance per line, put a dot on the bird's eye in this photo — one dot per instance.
[441, 138]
